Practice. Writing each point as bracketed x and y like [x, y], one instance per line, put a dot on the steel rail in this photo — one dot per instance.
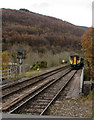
[43, 112]
[24, 87]
[41, 90]
[15, 83]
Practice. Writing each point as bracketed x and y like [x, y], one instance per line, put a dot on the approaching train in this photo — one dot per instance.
[76, 61]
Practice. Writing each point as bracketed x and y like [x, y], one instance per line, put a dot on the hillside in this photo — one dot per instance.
[39, 31]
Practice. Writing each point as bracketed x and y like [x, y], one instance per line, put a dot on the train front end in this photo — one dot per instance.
[75, 61]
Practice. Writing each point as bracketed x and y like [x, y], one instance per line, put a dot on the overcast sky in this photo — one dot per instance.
[78, 12]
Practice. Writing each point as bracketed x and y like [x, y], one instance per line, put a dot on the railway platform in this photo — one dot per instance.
[74, 91]
[29, 117]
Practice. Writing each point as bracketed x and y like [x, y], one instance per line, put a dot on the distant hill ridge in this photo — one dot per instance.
[39, 30]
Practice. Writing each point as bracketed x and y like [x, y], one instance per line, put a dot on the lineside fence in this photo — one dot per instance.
[11, 71]
[8, 73]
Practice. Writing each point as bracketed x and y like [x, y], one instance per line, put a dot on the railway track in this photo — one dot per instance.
[67, 102]
[23, 91]
[45, 74]
[42, 98]
[11, 89]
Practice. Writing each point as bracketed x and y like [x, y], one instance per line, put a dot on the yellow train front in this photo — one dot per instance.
[76, 61]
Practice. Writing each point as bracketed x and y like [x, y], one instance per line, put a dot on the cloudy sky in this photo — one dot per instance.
[78, 12]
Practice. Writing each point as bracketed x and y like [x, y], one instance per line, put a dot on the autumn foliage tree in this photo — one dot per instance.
[87, 44]
[5, 59]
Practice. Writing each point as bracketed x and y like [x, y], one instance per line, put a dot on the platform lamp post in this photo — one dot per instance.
[21, 57]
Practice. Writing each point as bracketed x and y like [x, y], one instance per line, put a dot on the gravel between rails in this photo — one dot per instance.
[14, 82]
[15, 97]
[36, 105]
[24, 83]
[70, 107]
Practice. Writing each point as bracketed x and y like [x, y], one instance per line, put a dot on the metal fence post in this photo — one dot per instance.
[82, 80]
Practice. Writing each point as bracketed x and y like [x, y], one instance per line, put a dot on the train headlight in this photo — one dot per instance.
[71, 62]
[78, 61]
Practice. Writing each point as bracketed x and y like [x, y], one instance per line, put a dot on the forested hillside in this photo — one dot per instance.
[42, 37]
[39, 30]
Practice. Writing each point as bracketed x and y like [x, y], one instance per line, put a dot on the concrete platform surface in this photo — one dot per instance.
[74, 89]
